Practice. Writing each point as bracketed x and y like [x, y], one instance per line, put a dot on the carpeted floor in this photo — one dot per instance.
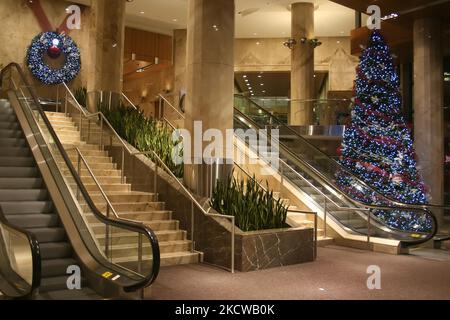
[338, 273]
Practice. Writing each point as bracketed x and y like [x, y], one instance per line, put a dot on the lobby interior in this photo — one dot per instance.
[93, 93]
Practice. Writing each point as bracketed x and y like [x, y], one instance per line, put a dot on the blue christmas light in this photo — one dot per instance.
[377, 146]
[57, 42]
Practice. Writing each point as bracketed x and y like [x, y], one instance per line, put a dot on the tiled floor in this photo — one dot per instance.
[338, 273]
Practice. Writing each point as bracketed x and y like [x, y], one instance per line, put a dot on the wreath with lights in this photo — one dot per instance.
[54, 44]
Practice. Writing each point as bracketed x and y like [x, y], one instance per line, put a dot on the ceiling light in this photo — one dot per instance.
[258, 43]
[261, 84]
[255, 34]
[142, 12]
[246, 80]
[264, 91]
[260, 76]
[244, 76]
[174, 20]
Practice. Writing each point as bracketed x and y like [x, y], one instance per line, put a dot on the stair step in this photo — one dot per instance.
[28, 221]
[56, 250]
[156, 225]
[131, 237]
[133, 206]
[130, 250]
[167, 259]
[44, 235]
[133, 196]
[23, 195]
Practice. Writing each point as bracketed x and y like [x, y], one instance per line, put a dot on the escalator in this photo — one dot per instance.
[315, 176]
[48, 247]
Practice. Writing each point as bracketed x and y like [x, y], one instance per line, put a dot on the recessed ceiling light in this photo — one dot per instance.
[258, 43]
[255, 34]
[260, 76]
[244, 76]
[174, 20]
[264, 91]
[142, 12]
[261, 84]
[246, 80]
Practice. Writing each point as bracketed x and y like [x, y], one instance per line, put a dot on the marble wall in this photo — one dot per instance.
[269, 54]
[20, 26]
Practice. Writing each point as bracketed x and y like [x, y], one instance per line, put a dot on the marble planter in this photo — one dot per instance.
[257, 250]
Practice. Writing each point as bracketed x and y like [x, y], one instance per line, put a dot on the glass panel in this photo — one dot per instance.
[316, 174]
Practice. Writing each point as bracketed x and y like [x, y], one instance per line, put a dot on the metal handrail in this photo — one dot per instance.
[161, 97]
[35, 254]
[132, 153]
[279, 123]
[132, 226]
[371, 206]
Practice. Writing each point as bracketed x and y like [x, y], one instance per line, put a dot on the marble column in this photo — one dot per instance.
[209, 77]
[428, 105]
[302, 60]
[179, 63]
[106, 46]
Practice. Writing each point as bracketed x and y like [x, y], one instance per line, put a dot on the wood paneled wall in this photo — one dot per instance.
[147, 45]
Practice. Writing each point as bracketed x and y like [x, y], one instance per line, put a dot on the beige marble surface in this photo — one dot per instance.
[428, 106]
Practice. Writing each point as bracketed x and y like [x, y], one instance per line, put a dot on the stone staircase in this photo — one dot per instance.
[132, 205]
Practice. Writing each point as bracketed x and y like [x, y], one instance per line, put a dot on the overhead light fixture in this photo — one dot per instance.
[142, 12]
[291, 43]
[244, 76]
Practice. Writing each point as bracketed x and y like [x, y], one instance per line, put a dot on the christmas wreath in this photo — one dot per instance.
[53, 44]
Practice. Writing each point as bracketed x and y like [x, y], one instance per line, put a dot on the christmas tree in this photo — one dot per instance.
[377, 146]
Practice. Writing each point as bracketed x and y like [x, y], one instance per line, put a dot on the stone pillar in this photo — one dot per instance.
[179, 63]
[210, 78]
[106, 46]
[302, 72]
[428, 105]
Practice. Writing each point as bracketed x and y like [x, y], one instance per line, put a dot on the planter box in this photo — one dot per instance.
[254, 250]
[257, 250]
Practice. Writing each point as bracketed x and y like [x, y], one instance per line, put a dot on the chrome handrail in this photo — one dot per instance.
[279, 123]
[367, 206]
[161, 97]
[132, 226]
[132, 153]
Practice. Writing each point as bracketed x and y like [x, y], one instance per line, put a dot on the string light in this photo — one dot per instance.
[378, 146]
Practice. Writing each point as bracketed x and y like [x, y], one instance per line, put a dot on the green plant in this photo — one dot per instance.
[81, 96]
[144, 133]
[253, 207]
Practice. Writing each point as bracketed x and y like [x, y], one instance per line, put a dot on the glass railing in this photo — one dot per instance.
[103, 233]
[20, 261]
[318, 176]
[322, 112]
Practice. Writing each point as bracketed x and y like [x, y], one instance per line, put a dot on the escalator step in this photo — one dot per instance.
[16, 161]
[23, 195]
[27, 207]
[56, 267]
[57, 283]
[34, 220]
[56, 250]
[18, 172]
[84, 294]
[20, 183]
[44, 235]
[13, 142]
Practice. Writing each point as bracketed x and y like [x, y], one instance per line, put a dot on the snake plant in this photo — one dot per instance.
[144, 133]
[253, 207]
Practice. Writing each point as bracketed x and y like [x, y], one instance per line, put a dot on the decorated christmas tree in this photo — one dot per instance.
[377, 146]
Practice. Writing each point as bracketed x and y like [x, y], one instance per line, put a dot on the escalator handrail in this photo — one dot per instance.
[119, 223]
[397, 203]
[363, 204]
[35, 254]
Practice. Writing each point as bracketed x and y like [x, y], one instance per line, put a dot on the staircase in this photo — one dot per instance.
[26, 203]
[133, 205]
